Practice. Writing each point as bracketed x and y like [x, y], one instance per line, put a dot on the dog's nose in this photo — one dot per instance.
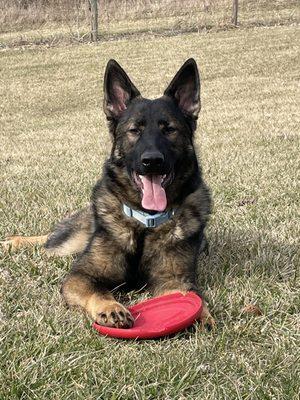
[152, 159]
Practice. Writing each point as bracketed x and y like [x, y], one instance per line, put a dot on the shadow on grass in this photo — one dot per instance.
[243, 254]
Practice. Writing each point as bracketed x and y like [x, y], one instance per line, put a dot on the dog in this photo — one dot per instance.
[146, 220]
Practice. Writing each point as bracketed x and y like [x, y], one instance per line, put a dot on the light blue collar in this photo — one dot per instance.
[150, 221]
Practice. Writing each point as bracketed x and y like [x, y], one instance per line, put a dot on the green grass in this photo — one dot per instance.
[54, 141]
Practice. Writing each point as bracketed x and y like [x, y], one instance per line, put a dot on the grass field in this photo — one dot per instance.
[54, 141]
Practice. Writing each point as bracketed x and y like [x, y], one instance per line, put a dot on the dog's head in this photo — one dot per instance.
[153, 139]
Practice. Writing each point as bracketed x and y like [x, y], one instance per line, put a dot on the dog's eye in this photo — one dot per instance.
[134, 131]
[170, 129]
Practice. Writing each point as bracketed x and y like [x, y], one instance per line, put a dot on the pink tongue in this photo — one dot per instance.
[154, 195]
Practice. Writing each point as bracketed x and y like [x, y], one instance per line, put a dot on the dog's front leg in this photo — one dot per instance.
[205, 317]
[171, 271]
[86, 285]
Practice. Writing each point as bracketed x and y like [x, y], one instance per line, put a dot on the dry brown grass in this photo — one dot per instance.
[20, 14]
[55, 21]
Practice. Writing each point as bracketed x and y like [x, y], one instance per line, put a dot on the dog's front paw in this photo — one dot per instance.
[114, 315]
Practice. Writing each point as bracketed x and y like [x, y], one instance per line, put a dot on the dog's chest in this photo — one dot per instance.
[148, 244]
[134, 272]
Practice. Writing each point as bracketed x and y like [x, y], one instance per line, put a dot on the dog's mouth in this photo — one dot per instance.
[153, 191]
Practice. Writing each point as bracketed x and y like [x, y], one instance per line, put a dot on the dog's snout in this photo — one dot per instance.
[152, 159]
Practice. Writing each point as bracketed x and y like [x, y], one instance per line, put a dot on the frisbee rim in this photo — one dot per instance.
[122, 333]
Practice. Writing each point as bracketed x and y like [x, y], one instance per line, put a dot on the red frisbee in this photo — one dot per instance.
[157, 317]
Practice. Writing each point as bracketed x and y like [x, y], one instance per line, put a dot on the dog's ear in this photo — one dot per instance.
[118, 90]
[185, 89]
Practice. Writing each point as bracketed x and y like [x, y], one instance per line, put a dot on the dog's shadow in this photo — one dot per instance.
[241, 254]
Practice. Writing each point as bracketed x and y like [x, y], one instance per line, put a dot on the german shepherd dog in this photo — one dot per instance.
[145, 223]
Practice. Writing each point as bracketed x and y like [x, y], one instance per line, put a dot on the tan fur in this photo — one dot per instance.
[104, 259]
[165, 293]
[100, 306]
[76, 244]
[120, 227]
[17, 242]
[77, 291]
[206, 317]
[102, 311]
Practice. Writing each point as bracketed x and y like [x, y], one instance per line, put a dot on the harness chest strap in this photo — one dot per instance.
[149, 220]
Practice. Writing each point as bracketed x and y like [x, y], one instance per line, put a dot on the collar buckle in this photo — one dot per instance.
[150, 222]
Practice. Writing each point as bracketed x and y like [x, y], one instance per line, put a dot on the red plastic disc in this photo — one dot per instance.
[157, 317]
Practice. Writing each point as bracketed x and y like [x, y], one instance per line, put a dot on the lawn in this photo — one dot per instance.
[54, 141]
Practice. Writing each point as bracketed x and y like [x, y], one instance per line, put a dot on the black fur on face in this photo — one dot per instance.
[153, 139]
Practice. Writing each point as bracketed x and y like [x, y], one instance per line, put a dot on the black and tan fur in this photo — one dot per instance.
[114, 249]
